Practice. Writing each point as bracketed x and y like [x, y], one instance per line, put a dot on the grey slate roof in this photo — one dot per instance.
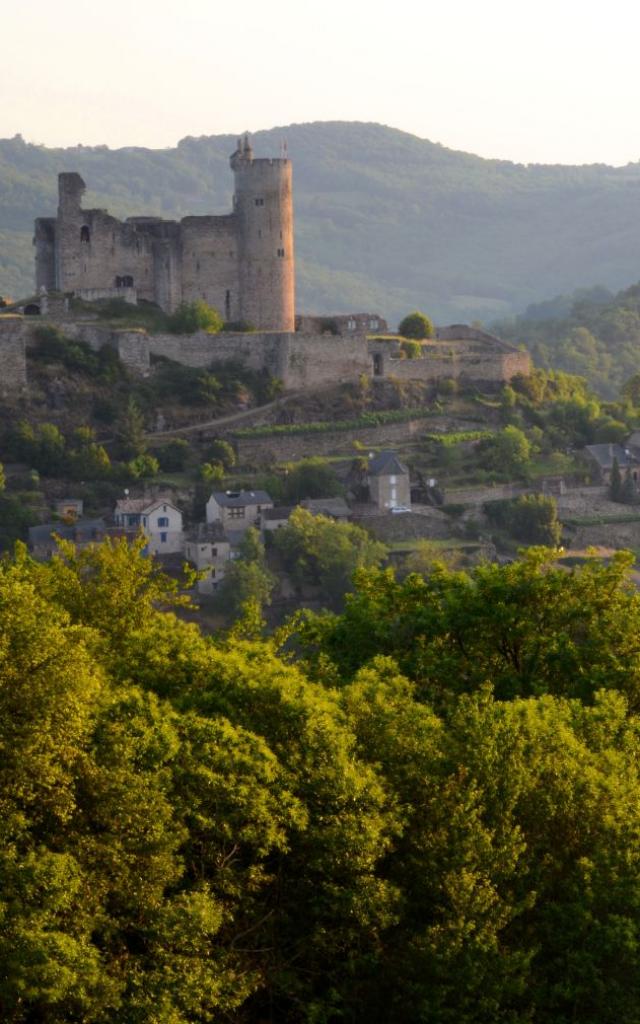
[387, 464]
[336, 508]
[142, 505]
[604, 454]
[279, 512]
[240, 499]
[82, 529]
[207, 533]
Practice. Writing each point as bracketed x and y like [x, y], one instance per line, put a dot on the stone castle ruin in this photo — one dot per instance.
[242, 263]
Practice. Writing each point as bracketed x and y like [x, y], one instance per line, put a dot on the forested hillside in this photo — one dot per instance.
[424, 809]
[385, 221]
[591, 333]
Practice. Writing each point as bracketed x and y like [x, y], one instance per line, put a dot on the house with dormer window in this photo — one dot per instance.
[238, 510]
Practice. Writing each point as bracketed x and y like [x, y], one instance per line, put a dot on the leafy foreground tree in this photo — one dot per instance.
[197, 830]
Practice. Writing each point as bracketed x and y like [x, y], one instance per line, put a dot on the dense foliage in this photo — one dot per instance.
[385, 221]
[531, 518]
[432, 816]
[593, 333]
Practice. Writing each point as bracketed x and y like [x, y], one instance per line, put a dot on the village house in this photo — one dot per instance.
[208, 549]
[389, 485]
[238, 510]
[159, 519]
[601, 457]
[42, 539]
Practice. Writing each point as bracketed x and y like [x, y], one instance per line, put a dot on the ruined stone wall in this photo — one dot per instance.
[13, 361]
[210, 263]
[300, 361]
[312, 361]
[200, 350]
[495, 369]
[458, 360]
[133, 349]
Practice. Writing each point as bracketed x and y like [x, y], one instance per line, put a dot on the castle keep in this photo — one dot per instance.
[242, 263]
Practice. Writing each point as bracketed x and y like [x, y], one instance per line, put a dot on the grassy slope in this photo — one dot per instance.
[384, 220]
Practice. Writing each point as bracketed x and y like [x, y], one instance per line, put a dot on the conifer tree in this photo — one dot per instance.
[615, 484]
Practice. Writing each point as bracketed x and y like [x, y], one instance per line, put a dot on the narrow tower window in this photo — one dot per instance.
[259, 201]
[85, 234]
[227, 305]
[280, 253]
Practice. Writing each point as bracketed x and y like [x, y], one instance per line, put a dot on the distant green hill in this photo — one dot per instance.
[384, 221]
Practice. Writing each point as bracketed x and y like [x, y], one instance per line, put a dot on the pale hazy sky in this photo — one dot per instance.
[553, 82]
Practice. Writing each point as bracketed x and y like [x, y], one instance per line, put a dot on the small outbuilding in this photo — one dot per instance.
[389, 483]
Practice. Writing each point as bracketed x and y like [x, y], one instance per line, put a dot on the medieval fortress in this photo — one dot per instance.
[242, 263]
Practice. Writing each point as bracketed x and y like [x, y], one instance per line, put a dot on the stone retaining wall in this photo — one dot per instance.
[258, 451]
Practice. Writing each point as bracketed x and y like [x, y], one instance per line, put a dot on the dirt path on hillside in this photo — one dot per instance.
[221, 421]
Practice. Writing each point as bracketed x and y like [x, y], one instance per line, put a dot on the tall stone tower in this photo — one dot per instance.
[70, 257]
[263, 207]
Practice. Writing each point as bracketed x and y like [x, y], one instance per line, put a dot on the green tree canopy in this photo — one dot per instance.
[417, 326]
[320, 551]
[197, 829]
[310, 478]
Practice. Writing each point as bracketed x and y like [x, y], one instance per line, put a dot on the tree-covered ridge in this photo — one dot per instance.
[591, 332]
[384, 221]
[340, 823]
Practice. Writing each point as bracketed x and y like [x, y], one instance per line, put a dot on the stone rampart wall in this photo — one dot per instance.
[300, 361]
[490, 368]
[13, 360]
[133, 349]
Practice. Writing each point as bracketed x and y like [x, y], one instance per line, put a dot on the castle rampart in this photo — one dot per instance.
[301, 361]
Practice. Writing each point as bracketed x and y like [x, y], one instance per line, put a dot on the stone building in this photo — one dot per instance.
[242, 263]
[601, 457]
[389, 485]
[209, 550]
[237, 510]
